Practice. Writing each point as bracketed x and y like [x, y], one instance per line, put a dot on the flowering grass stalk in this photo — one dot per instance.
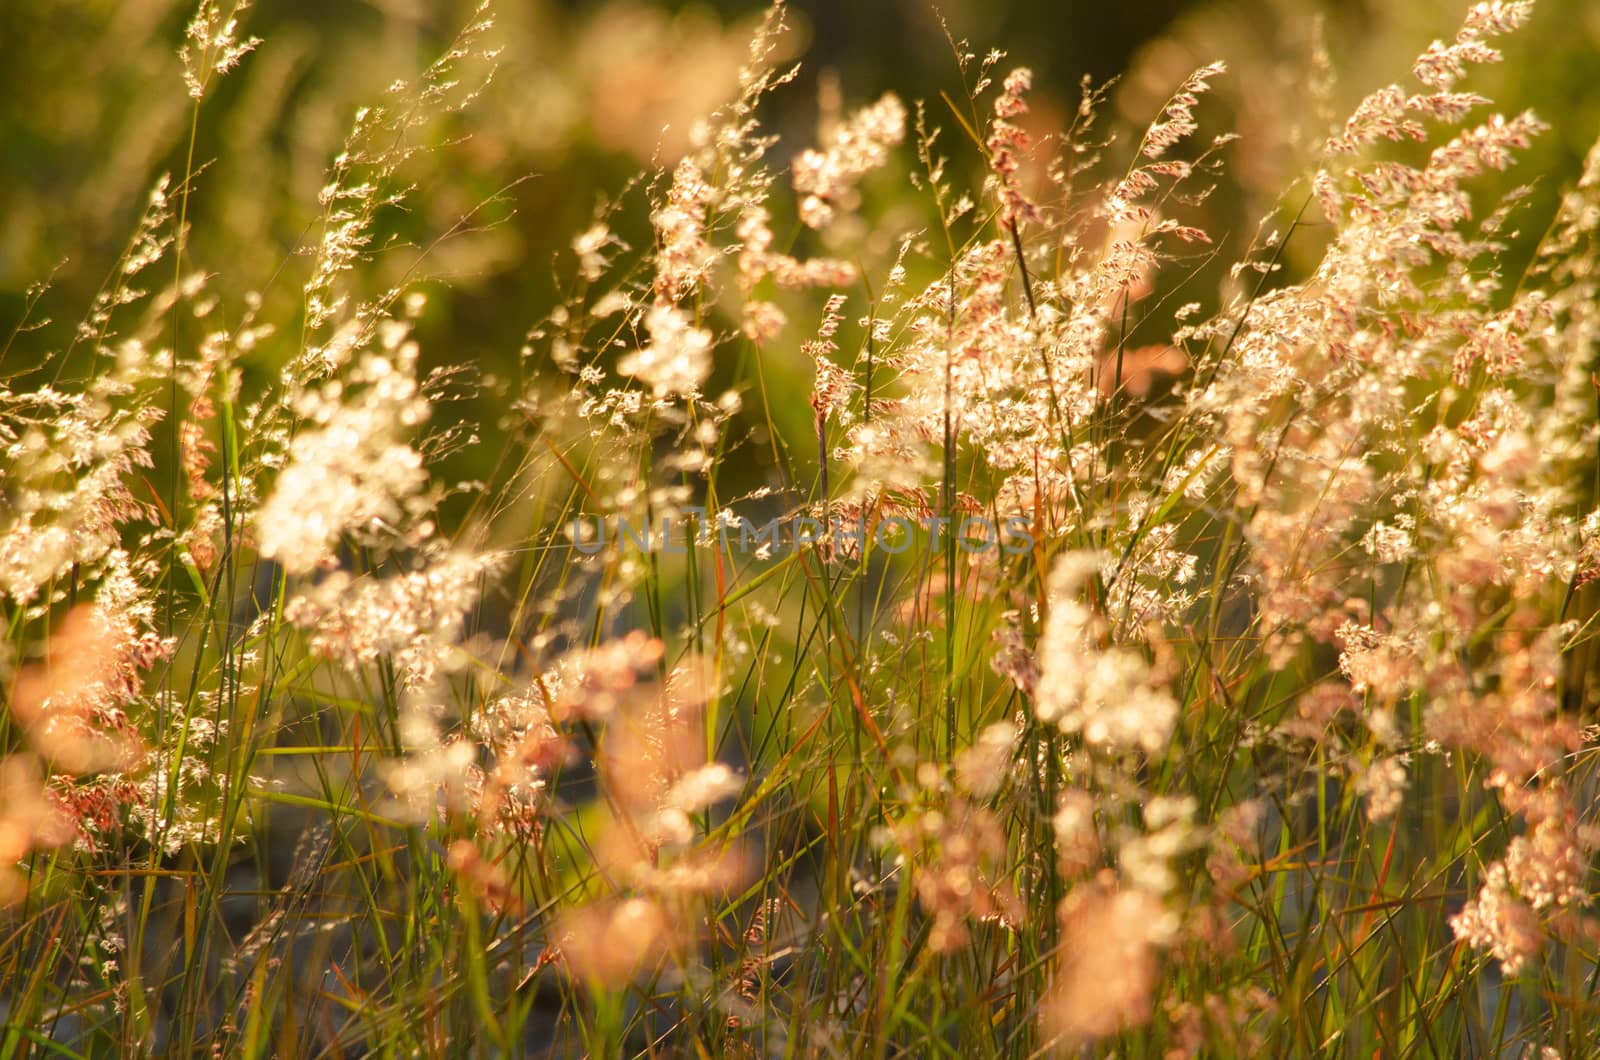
[1258, 727]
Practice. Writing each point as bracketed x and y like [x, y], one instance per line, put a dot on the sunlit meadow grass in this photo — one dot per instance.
[1260, 730]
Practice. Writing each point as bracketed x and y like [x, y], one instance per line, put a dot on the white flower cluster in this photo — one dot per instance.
[1101, 692]
[352, 471]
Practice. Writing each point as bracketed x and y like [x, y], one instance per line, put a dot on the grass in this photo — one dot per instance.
[907, 614]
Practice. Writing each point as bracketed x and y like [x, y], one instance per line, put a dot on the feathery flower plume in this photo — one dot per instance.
[826, 179]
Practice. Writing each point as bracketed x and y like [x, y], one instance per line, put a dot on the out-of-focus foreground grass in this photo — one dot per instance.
[1210, 672]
